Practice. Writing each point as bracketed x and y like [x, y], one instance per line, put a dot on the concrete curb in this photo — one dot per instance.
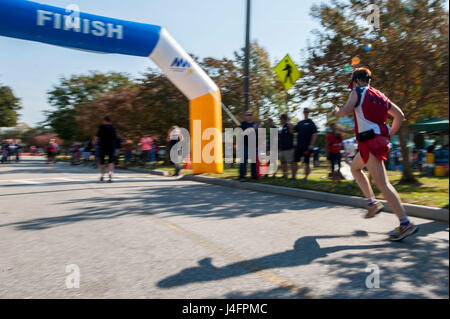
[437, 214]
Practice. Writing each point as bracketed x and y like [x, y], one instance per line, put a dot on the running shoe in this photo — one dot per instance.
[374, 210]
[402, 232]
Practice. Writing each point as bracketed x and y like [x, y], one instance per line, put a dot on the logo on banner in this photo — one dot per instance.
[180, 65]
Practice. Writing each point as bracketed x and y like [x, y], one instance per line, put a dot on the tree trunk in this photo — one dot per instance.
[407, 173]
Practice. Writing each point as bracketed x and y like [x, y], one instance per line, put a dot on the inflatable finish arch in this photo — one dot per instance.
[43, 23]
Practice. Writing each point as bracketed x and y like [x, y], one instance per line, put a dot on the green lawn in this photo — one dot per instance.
[433, 191]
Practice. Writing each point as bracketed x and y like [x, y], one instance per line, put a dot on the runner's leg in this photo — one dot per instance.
[361, 178]
[102, 163]
[111, 159]
[378, 172]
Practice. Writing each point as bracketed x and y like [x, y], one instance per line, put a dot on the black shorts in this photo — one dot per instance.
[106, 152]
[299, 153]
[146, 155]
[334, 157]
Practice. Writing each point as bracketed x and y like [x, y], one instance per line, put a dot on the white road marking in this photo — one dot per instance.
[50, 180]
[25, 181]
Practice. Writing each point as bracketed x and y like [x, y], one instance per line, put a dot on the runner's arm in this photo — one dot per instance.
[340, 129]
[398, 116]
[349, 106]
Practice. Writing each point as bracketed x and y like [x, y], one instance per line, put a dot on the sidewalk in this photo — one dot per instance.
[432, 213]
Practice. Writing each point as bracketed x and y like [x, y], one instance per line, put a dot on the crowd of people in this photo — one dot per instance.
[296, 143]
[105, 149]
[145, 152]
[10, 150]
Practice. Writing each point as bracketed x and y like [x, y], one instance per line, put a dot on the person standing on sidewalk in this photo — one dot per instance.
[107, 142]
[370, 108]
[52, 149]
[174, 137]
[249, 123]
[264, 170]
[306, 137]
[286, 146]
[127, 148]
[19, 147]
[334, 145]
[146, 147]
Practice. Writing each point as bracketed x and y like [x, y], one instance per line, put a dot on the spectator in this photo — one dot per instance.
[316, 154]
[286, 146]
[52, 149]
[397, 158]
[87, 151]
[76, 153]
[127, 148]
[334, 145]
[249, 123]
[306, 137]
[19, 147]
[11, 150]
[107, 143]
[174, 137]
[146, 147]
[117, 149]
[154, 152]
[5, 151]
[96, 148]
[269, 125]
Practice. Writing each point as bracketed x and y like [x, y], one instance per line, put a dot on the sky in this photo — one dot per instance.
[206, 28]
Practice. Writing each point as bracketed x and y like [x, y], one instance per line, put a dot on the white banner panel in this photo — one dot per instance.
[180, 68]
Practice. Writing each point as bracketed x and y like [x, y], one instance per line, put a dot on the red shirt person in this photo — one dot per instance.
[370, 108]
[334, 145]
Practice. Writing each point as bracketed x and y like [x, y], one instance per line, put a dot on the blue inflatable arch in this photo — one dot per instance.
[33, 21]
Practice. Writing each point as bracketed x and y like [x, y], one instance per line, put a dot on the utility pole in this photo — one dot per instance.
[247, 59]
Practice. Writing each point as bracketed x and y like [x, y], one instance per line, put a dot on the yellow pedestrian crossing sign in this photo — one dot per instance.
[287, 72]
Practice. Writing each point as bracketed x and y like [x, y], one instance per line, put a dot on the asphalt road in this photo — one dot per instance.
[157, 237]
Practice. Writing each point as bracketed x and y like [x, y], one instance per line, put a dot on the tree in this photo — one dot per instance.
[68, 97]
[267, 94]
[9, 107]
[151, 104]
[408, 57]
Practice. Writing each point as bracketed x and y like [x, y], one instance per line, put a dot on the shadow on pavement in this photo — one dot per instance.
[93, 181]
[195, 200]
[413, 263]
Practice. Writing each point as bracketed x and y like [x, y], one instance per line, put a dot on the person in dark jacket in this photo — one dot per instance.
[249, 123]
[107, 142]
[286, 146]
